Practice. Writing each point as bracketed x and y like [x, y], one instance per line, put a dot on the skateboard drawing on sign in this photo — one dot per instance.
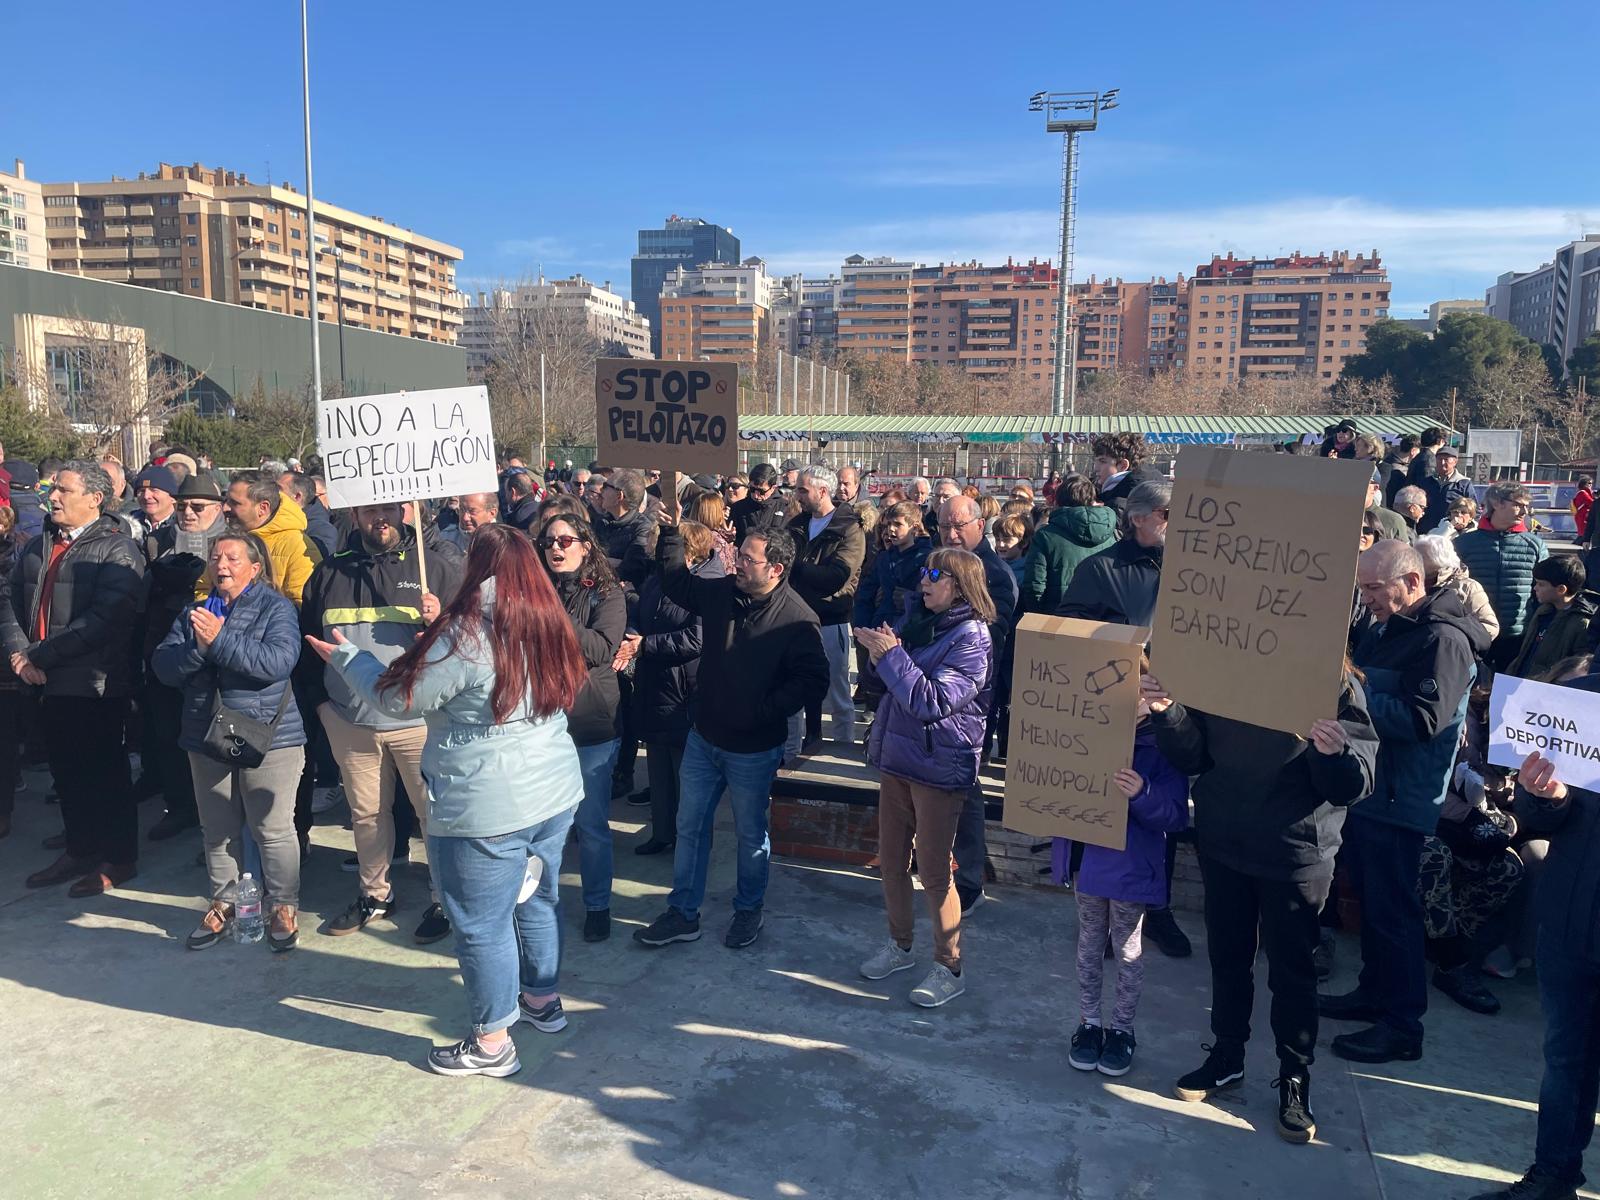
[1102, 679]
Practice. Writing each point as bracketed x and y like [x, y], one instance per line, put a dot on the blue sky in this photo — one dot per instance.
[1449, 136]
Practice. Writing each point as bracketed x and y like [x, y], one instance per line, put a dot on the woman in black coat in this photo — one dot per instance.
[665, 649]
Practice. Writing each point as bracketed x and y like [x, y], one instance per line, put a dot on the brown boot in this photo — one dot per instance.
[103, 879]
[284, 931]
[64, 868]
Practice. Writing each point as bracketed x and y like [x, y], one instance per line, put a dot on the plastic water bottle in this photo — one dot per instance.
[247, 923]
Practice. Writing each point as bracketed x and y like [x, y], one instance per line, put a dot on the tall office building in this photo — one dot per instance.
[1557, 304]
[680, 242]
[216, 235]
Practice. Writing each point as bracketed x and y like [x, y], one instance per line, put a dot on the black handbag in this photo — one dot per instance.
[236, 740]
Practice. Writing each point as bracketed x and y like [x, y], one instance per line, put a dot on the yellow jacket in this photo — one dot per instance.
[293, 553]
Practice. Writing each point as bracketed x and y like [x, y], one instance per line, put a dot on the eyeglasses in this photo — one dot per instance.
[958, 524]
[933, 574]
[744, 559]
[1160, 512]
[609, 487]
[198, 506]
[564, 540]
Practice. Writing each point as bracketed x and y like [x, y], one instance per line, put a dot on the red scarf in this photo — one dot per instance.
[1483, 523]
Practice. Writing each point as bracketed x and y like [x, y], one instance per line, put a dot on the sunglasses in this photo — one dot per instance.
[564, 540]
[933, 574]
[198, 505]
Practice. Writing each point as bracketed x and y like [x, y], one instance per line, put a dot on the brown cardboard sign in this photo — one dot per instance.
[1257, 583]
[662, 414]
[1074, 708]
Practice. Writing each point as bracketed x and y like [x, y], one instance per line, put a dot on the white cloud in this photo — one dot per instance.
[1429, 251]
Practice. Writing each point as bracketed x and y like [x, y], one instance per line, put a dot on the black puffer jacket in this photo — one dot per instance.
[668, 661]
[1117, 584]
[1116, 496]
[761, 657]
[1269, 804]
[599, 621]
[827, 568]
[94, 611]
[628, 542]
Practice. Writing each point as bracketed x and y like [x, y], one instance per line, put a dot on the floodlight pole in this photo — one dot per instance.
[311, 210]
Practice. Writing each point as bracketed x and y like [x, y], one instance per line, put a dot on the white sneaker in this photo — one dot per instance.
[889, 959]
[324, 798]
[940, 987]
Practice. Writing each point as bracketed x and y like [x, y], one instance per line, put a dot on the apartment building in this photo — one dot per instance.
[1276, 317]
[718, 313]
[1557, 304]
[680, 242]
[874, 313]
[805, 315]
[1155, 326]
[214, 234]
[21, 219]
[614, 322]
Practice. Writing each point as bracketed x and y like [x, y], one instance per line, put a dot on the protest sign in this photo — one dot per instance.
[661, 414]
[406, 446]
[1561, 723]
[1074, 707]
[1257, 582]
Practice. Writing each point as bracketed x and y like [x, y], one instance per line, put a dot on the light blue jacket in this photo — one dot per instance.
[484, 779]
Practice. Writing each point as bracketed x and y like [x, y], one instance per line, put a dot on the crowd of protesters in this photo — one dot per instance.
[486, 684]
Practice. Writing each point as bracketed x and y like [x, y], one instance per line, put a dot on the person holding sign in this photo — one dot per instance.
[1419, 659]
[1269, 809]
[492, 677]
[595, 603]
[937, 674]
[1569, 974]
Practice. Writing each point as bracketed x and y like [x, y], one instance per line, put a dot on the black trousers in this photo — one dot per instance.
[83, 735]
[628, 752]
[159, 753]
[10, 747]
[662, 762]
[1242, 912]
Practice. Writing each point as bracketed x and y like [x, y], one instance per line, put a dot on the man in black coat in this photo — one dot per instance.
[762, 505]
[626, 532]
[76, 594]
[761, 661]
[830, 548]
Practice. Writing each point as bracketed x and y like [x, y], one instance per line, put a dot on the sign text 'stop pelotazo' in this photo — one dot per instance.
[406, 446]
[680, 416]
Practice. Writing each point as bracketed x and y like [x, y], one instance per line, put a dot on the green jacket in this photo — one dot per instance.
[1070, 536]
[1567, 635]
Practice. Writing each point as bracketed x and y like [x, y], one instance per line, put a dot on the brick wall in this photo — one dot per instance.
[833, 832]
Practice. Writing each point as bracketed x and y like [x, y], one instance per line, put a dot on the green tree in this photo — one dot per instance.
[1397, 353]
[33, 433]
[1585, 364]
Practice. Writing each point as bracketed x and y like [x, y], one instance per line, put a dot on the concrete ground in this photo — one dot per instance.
[134, 1068]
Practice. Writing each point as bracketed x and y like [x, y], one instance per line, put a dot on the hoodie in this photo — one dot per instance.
[1419, 667]
[1070, 536]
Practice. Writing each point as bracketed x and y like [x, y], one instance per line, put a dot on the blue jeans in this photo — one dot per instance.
[1569, 994]
[748, 777]
[594, 823]
[503, 946]
[1385, 861]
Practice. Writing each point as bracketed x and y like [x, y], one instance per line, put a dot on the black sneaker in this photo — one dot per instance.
[640, 799]
[1222, 1071]
[1160, 928]
[1086, 1044]
[744, 930]
[970, 899]
[433, 927]
[653, 847]
[1379, 1044]
[1322, 956]
[671, 926]
[1347, 1006]
[1295, 1121]
[361, 911]
[621, 787]
[469, 1058]
[1463, 985]
[597, 924]
[1117, 1055]
[1535, 1185]
[548, 1019]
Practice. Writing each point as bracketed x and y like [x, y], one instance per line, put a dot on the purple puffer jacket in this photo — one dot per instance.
[1137, 874]
[929, 727]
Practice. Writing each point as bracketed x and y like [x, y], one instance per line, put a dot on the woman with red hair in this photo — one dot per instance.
[493, 678]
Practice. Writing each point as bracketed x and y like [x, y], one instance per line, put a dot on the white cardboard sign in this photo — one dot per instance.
[1561, 723]
[406, 446]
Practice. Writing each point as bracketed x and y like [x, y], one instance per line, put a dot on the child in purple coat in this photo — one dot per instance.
[1114, 888]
